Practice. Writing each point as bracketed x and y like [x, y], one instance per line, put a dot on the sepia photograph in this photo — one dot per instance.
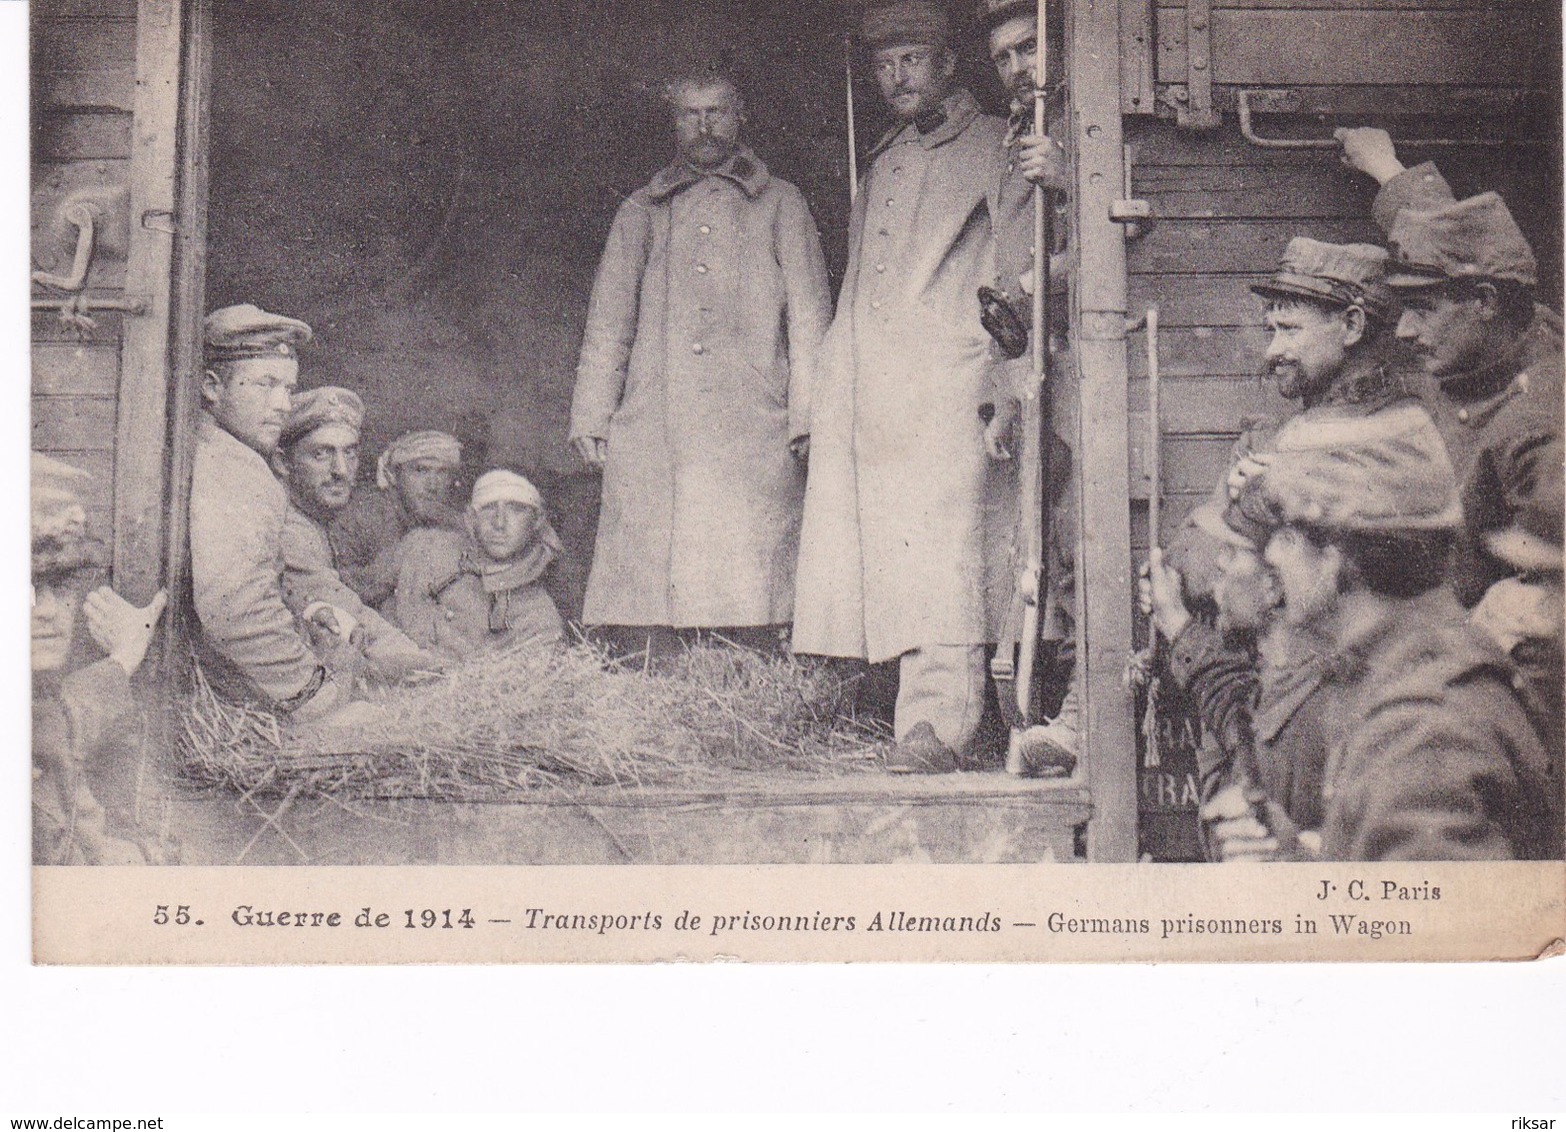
[849, 433]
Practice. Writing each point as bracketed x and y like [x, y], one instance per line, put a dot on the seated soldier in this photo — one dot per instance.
[74, 714]
[251, 647]
[462, 594]
[317, 457]
[414, 479]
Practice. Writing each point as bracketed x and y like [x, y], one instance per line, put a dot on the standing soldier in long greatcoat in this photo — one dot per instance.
[693, 389]
[906, 515]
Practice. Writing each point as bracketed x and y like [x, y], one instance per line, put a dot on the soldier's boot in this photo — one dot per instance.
[1048, 750]
[921, 752]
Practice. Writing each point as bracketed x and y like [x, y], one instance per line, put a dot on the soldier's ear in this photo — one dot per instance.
[211, 387]
[279, 462]
[1488, 299]
[948, 63]
[1355, 325]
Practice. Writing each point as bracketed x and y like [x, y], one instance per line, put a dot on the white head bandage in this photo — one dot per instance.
[426, 444]
[501, 484]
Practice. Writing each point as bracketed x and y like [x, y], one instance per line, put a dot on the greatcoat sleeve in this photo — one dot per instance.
[809, 299]
[611, 322]
[310, 575]
[1421, 187]
[1421, 782]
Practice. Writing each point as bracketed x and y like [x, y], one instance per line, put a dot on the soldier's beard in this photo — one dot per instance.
[707, 152]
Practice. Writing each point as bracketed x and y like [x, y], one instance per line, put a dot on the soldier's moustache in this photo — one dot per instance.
[1000, 321]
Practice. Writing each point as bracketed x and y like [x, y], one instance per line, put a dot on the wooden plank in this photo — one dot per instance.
[110, 87]
[81, 423]
[87, 370]
[48, 327]
[143, 412]
[1199, 300]
[77, 136]
[1324, 48]
[68, 9]
[81, 44]
[1214, 406]
[1161, 143]
[1259, 192]
[1190, 464]
[1180, 247]
[187, 308]
[1377, 5]
[1104, 609]
[1204, 351]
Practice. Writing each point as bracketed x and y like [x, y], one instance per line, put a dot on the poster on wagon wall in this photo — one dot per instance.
[794, 482]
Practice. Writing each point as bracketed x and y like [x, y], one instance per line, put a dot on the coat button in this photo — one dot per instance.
[698, 348]
[701, 269]
[890, 201]
[876, 305]
[1462, 415]
[705, 229]
[450, 615]
[881, 267]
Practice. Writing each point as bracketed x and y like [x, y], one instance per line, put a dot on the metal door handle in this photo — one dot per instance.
[1248, 132]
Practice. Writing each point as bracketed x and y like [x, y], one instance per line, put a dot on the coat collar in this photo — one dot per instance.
[956, 112]
[744, 168]
[1495, 381]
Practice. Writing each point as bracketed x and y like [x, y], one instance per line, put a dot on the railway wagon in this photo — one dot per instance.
[430, 185]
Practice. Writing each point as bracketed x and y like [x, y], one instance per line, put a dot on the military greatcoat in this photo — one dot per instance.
[709, 306]
[906, 517]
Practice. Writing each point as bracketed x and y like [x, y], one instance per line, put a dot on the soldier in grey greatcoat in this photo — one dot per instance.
[693, 388]
[907, 514]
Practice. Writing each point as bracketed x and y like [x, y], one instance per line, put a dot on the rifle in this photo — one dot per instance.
[1017, 657]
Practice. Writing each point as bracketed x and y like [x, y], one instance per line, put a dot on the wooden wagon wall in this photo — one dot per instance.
[1226, 207]
[105, 78]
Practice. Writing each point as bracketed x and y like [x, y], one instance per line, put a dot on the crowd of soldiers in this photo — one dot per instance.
[1368, 610]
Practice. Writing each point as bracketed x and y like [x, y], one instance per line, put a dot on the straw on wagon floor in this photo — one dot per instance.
[506, 724]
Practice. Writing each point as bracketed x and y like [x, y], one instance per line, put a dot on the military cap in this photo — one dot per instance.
[1343, 275]
[993, 13]
[1238, 524]
[423, 444]
[1470, 239]
[59, 520]
[1395, 476]
[330, 404]
[905, 22]
[247, 331]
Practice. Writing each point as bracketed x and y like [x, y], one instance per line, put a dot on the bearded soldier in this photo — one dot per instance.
[693, 389]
